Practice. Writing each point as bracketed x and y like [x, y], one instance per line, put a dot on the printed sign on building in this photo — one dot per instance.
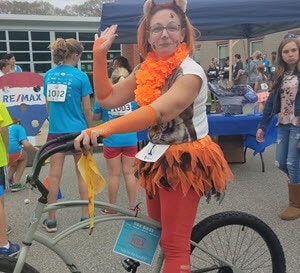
[22, 93]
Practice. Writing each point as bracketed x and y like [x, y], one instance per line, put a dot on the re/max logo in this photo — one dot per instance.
[21, 98]
[19, 95]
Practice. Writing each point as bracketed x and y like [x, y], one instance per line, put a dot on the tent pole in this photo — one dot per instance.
[230, 47]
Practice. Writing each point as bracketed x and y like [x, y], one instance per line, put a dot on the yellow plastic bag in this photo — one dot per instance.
[94, 180]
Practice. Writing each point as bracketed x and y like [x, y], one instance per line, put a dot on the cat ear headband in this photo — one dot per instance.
[150, 3]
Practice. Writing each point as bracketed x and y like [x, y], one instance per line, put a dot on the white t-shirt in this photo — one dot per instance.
[192, 123]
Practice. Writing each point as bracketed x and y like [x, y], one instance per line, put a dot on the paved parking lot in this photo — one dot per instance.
[262, 194]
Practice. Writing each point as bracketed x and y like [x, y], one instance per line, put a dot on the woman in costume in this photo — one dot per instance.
[181, 163]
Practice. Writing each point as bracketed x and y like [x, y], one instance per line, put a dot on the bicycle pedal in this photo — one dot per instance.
[130, 265]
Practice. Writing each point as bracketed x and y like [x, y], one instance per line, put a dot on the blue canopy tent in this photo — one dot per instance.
[215, 19]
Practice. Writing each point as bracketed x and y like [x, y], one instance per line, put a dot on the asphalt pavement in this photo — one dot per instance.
[261, 194]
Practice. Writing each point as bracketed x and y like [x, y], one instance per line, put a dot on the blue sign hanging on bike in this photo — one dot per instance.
[137, 241]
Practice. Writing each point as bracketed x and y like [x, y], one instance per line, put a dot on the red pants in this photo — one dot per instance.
[176, 213]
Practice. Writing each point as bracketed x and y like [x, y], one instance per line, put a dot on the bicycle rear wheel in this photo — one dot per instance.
[240, 239]
[7, 265]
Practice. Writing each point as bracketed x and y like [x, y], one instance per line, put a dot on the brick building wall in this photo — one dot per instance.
[130, 51]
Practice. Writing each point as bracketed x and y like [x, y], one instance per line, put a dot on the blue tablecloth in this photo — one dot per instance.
[220, 125]
[246, 125]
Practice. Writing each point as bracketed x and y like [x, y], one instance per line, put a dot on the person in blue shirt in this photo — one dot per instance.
[12, 62]
[119, 150]
[273, 65]
[17, 155]
[67, 91]
[266, 64]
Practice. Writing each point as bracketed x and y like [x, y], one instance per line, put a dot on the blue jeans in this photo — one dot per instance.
[287, 153]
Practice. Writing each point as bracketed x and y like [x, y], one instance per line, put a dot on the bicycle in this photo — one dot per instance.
[226, 242]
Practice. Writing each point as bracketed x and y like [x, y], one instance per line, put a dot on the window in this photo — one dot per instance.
[40, 36]
[87, 67]
[88, 45]
[42, 67]
[40, 46]
[3, 47]
[256, 46]
[18, 35]
[41, 57]
[65, 35]
[19, 46]
[32, 53]
[196, 56]
[87, 56]
[22, 57]
[86, 36]
[2, 35]
[25, 67]
[112, 54]
[222, 54]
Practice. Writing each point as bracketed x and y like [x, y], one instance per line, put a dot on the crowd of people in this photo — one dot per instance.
[181, 163]
[258, 72]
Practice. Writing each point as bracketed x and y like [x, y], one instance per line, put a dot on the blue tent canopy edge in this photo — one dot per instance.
[214, 19]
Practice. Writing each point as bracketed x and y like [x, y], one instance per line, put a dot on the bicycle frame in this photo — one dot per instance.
[52, 243]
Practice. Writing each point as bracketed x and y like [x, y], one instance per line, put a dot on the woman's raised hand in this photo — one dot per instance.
[106, 38]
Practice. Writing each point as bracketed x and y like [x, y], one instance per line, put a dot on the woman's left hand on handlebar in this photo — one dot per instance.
[86, 140]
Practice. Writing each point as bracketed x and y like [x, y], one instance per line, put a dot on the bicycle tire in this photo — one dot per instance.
[226, 224]
[7, 265]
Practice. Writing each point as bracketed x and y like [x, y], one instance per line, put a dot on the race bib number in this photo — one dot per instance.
[56, 92]
[264, 86]
[121, 111]
[152, 152]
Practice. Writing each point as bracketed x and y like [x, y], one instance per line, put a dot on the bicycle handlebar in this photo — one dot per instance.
[67, 144]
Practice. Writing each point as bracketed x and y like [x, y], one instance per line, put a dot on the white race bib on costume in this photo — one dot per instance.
[121, 111]
[56, 92]
[152, 152]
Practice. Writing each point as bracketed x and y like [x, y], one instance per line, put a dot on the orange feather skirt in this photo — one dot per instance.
[199, 165]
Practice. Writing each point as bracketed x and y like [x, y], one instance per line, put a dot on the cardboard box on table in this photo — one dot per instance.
[233, 148]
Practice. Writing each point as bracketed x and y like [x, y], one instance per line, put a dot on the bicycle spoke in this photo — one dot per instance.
[239, 245]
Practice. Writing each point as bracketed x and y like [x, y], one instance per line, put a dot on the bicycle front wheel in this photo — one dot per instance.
[7, 265]
[241, 240]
